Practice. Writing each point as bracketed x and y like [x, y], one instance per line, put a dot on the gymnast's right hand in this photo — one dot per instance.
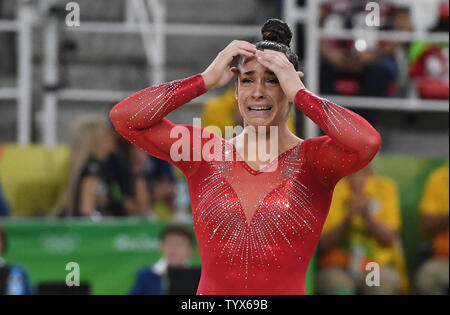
[219, 72]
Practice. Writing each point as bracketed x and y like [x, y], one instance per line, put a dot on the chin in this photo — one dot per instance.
[258, 122]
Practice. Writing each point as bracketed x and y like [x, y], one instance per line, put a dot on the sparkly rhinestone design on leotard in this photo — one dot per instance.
[256, 229]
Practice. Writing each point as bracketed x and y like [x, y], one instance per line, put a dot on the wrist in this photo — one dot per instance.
[207, 81]
[299, 95]
[291, 85]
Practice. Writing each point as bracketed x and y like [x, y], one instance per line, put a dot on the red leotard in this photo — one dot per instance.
[256, 230]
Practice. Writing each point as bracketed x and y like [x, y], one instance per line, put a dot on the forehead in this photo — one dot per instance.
[251, 66]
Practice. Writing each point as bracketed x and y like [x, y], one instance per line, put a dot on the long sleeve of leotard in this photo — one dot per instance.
[350, 142]
[140, 119]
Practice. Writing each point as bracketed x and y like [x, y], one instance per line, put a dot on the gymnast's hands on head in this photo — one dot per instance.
[220, 72]
[284, 70]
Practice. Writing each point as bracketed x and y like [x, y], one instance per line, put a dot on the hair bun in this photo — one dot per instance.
[275, 30]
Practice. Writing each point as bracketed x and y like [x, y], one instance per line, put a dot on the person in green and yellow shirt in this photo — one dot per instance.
[362, 226]
[433, 274]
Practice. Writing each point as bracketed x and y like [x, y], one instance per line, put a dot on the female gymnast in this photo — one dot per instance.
[257, 225]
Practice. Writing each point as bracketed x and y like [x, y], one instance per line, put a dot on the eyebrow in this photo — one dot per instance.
[251, 72]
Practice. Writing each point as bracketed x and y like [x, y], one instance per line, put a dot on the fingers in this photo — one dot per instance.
[242, 48]
[269, 61]
[275, 57]
[272, 59]
[265, 62]
[242, 52]
[241, 44]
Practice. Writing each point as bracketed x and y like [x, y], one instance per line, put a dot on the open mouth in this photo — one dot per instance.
[260, 108]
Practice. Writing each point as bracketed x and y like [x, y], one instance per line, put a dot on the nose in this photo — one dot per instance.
[258, 91]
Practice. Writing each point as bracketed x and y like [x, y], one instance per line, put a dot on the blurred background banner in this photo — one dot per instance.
[108, 253]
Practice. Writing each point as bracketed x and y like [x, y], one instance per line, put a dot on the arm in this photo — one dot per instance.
[350, 142]
[142, 198]
[383, 224]
[87, 195]
[140, 117]
[433, 224]
[382, 233]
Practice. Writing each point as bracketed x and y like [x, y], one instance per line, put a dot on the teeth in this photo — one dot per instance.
[260, 108]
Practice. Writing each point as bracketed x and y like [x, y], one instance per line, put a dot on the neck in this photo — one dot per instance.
[274, 141]
[281, 134]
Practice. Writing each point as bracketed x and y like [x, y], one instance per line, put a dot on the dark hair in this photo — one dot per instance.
[277, 35]
[180, 230]
[3, 243]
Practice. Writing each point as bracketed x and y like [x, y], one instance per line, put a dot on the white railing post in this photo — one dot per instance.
[159, 19]
[24, 83]
[50, 68]
[312, 60]
[143, 22]
[129, 13]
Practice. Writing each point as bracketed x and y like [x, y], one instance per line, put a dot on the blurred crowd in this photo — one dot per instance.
[364, 225]
[367, 66]
[107, 176]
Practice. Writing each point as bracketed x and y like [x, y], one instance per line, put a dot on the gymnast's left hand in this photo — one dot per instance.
[284, 70]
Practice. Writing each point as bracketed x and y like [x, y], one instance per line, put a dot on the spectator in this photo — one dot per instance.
[129, 165]
[361, 67]
[429, 62]
[177, 244]
[13, 279]
[162, 181]
[433, 274]
[150, 180]
[4, 208]
[362, 227]
[90, 188]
